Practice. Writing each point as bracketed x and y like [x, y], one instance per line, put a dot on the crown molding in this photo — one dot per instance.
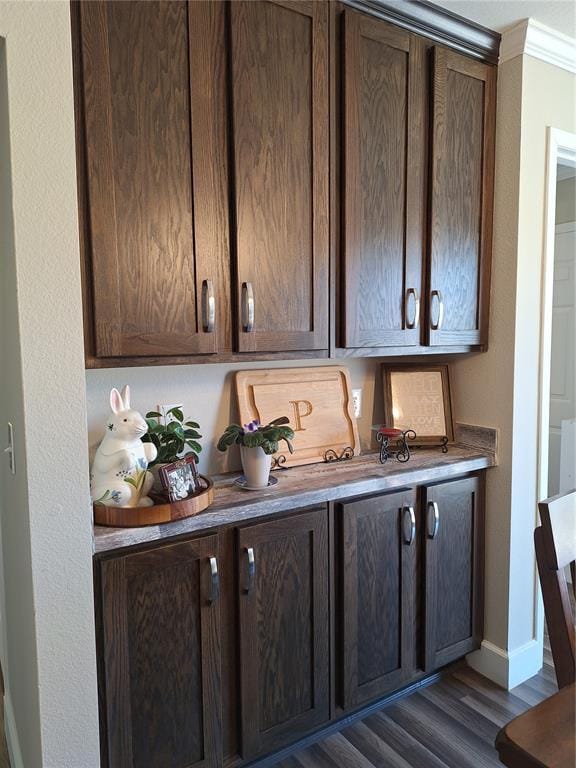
[437, 24]
[531, 38]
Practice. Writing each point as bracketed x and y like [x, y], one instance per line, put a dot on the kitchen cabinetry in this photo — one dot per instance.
[384, 192]
[463, 132]
[389, 116]
[279, 62]
[151, 117]
[379, 595]
[284, 647]
[160, 657]
[320, 612]
[454, 577]
[253, 173]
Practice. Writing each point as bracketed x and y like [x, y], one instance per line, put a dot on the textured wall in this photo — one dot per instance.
[50, 656]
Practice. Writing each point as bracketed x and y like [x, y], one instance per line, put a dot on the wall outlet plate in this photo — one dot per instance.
[164, 408]
[357, 402]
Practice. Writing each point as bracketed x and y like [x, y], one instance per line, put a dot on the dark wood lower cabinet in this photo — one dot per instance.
[397, 576]
[454, 574]
[284, 645]
[379, 595]
[161, 657]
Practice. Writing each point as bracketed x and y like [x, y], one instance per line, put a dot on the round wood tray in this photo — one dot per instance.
[161, 512]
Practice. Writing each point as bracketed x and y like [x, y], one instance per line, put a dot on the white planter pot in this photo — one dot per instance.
[256, 465]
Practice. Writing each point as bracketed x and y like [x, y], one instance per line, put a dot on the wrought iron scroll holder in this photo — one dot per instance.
[331, 455]
[395, 446]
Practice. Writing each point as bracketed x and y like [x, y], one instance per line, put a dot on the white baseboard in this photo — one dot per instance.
[12, 734]
[507, 668]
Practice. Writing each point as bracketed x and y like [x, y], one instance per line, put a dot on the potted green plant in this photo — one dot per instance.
[174, 439]
[257, 444]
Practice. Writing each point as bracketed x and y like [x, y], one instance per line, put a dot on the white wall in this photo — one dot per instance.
[49, 661]
[208, 395]
[532, 96]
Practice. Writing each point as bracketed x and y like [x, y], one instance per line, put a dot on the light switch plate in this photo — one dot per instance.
[357, 402]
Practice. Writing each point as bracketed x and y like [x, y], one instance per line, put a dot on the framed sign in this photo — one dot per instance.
[418, 397]
[318, 403]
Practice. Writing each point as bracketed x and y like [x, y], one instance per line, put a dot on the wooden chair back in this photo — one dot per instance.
[555, 543]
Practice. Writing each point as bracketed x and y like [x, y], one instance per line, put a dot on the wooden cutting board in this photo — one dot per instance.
[318, 402]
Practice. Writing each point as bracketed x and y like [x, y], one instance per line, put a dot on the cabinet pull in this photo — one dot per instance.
[412, 323]
[433, 519]
[438, 324]
[208, 306]
[247, 307]
[251, 569]
[408, 525]
[214, 581]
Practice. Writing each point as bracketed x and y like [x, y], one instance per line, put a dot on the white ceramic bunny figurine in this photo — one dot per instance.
[119, 475]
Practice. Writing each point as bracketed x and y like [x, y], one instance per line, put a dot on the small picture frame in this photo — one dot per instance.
[180, 479]
[418, 397]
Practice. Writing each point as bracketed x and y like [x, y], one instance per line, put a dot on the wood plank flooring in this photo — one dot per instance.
[450, 724]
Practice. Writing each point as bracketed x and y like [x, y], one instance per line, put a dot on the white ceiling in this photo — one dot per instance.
[501, 14]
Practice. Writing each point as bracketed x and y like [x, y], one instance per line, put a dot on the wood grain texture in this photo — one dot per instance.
[384, 182]
[144, 123]
[437, 24]
[379, 597]
[161, 650]
[453, 571]
[461, 198]
[284, 630]
[542, 736]
[318, 402]
[304, 486]
[280, 141]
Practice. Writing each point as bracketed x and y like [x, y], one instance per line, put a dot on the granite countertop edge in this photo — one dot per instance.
[301, 487]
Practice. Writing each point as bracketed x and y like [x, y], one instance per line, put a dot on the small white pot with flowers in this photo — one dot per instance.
[257, 444]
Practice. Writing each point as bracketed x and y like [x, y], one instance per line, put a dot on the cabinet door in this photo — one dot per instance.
[161, 657]
[463, 130]
[280, 127]
[284, 645]
[378, 595]
[454, 578]
[154, 117]
[384, 199]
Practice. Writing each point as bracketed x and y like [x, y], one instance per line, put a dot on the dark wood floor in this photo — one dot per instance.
[450, 724]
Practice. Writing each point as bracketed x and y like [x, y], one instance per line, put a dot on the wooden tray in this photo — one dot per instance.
[317, 401]
[162, 512]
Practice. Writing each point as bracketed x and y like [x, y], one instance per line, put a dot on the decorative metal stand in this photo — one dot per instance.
[331, 455]
[444, 444]
[278, 462]
[395, 446]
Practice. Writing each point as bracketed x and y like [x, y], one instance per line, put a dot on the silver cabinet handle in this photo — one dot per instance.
[251, 569]
[408, 525]
[438, 324]
[411, 293]
[208, 306]
[214, 581]
[247, 307]
[433, 519]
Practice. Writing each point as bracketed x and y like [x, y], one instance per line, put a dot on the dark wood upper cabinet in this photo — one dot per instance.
[463, 134]
[284, 647]
[379, 595]
[454, 578]
[153, 96]
[279, 64]
[161, 657]
[384, 182]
